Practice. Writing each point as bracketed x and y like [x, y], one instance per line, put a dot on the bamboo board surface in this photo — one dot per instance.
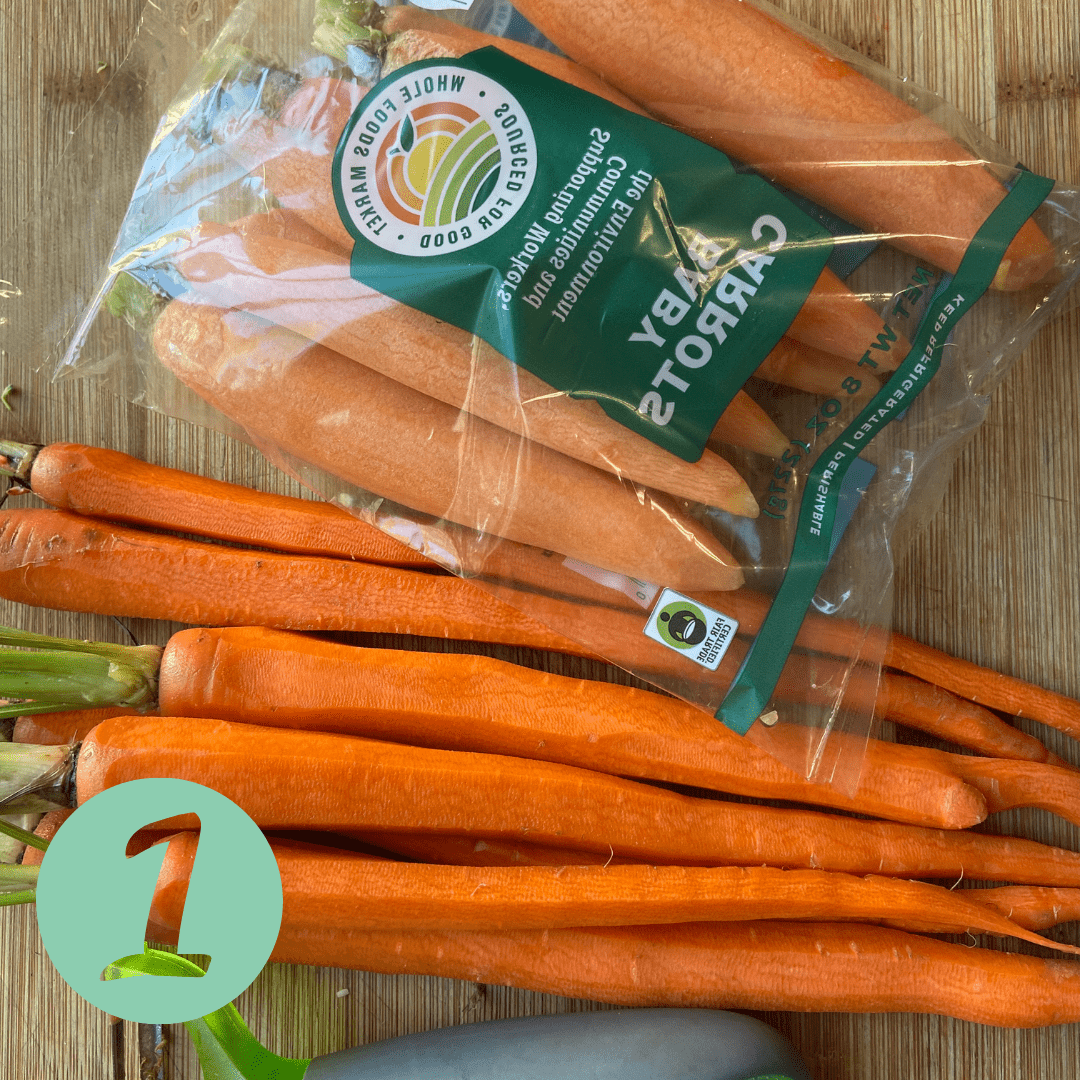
[992, 577]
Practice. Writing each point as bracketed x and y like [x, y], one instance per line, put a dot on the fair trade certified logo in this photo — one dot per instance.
[435, 159]
[688, 627]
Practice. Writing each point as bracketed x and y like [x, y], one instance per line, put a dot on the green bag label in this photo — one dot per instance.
[750, 691]
[613, 257]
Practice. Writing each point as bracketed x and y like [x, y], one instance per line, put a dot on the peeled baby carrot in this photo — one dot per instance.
[308, 780]
[106, 483]
[767, 965]
[333, 890]
[800, 115]
[257, 265]
[371, 431]
[476, 703]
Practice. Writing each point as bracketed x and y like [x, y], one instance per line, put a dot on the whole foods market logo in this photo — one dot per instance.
[698, 632]
[435, 159]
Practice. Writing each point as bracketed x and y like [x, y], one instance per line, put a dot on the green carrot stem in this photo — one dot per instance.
[26, 896]
[16, 460]
[340, 24]
[12, 876]
[61, 673]
[21, 836]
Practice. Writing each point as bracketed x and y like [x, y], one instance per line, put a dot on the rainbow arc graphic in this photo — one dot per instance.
[438, 164]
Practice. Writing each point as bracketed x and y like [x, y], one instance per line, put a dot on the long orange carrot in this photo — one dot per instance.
[483, 851]
[59, 560]
[368, 430]
[257, 265]
[799, 967]
[801, 115]
[344, 891]
[106, 483]
[475, 703]
[305, 780]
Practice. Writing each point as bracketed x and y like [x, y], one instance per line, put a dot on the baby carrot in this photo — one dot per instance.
[799, 114]
[307, 780]
[833, 318]
[343, 891]
[798, 967]
[366, 429]
[256, 265]
[106, 483]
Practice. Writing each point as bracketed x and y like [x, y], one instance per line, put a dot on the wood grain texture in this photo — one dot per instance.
[992, 578]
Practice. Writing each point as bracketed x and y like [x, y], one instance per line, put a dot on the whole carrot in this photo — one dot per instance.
[105, 483]
[54, 559]
[798, 967]
[334, 783]
[61, 728]
[332, 890]
[1036, 907]
[483, 851]
[799, 114]
[476, 703]
[371, 431]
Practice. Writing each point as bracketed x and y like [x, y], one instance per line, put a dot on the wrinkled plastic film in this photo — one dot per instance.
[230, 241]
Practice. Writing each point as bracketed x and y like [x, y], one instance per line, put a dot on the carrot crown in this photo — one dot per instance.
[46, 674]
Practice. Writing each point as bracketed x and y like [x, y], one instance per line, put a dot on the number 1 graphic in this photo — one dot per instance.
[153, 861]
[97, 907]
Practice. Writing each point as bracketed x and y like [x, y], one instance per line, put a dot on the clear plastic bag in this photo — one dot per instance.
[267, 302]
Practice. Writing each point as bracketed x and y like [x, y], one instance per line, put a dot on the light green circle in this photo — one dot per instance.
[93, 901]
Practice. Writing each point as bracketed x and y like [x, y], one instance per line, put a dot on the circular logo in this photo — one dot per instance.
[435, 159]
[682, 624]
[94, 902]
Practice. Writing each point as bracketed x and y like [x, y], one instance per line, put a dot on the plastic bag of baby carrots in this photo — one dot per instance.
[687, 325]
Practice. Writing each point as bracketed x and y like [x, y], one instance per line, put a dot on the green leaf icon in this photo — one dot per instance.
[408, 135]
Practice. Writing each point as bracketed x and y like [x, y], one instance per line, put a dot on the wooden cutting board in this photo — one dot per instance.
[992, 576]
